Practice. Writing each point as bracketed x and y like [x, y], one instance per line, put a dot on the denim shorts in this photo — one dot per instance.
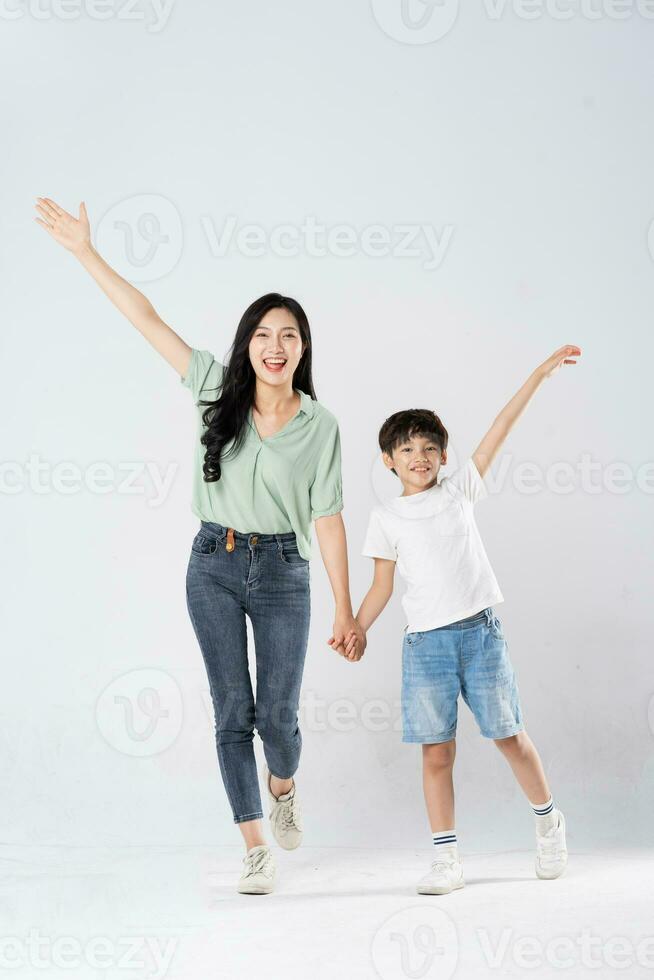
[469, 657]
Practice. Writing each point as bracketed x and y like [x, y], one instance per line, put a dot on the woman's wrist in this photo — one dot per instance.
[83, 250]
[344, 606]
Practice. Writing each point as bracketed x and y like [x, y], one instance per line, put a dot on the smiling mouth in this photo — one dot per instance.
[275, 363]
[420, 469]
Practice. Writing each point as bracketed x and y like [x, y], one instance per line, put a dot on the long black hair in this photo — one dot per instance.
[226, 417]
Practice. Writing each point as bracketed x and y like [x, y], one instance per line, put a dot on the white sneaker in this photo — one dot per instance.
[258, 877]
[551, 852]
[285, 816]
[446, 874]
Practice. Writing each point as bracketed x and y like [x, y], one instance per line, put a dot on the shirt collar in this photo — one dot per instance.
[306, 403]
[307, 407]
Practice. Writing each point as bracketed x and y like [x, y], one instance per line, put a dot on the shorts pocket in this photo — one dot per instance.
[496, 627]
[413, 639]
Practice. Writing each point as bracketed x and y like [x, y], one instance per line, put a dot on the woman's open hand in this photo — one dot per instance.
[72, 233]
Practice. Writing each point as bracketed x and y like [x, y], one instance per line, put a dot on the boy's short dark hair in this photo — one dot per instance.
[401, 426]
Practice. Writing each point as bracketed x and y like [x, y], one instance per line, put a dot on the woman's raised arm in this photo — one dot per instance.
[75, 235]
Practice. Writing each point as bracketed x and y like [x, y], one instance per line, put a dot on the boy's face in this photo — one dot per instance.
[417, 462]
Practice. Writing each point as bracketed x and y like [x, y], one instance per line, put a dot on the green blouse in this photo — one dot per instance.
[273, 485]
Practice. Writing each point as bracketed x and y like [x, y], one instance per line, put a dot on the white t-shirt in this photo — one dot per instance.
[433, 537]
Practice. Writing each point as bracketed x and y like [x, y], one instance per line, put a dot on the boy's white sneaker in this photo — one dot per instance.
[551, 851]
[446, 874]
[285, 816]
[258, 875]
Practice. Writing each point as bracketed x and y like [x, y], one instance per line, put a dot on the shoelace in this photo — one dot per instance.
[259, 861]
[290, 813]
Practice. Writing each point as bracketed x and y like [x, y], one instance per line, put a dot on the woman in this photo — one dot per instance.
[267, 463]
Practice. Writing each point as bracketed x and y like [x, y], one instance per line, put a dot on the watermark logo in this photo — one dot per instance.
[416, 21]
[418, 942]
[153, 13]
[316, 240]
[140, 713]
[426, 21]
[142, 237]
[569, 953]
[564, 10]
[585, 475]
[148, 955]
[143, 478]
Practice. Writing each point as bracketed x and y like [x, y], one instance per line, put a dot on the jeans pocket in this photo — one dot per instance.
[289, 555]
[204, 544]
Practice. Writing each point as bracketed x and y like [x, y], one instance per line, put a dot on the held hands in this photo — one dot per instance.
[72, 233]
[348, 639]
[564, 355]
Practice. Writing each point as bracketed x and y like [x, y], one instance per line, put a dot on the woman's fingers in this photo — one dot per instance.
[43, 205]
[354, 650]
[52, 204]
[46, 215]
[44, 224]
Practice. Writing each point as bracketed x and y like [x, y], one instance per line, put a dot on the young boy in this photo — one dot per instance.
[453, 643]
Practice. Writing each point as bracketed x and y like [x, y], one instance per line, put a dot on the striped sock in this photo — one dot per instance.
[546, 815]
[445, 840]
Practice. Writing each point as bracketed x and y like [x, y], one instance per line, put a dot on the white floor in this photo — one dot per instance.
[155, 912]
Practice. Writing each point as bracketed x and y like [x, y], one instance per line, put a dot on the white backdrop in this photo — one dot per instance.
[451, 201]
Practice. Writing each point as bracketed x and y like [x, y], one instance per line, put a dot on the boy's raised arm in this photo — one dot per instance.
[489, 446]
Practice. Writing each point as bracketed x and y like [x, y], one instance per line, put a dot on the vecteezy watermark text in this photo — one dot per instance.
[154, 13]
[127, 953]
[35, 475]
[426, 21]
[317, 240]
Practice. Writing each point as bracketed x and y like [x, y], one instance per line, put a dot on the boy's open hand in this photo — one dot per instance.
[352, 646]
[564, 355]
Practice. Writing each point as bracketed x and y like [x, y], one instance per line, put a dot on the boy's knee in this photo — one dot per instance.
[514, 744]
[439, 755]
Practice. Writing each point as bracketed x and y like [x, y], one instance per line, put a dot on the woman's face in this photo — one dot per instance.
[276, 347]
